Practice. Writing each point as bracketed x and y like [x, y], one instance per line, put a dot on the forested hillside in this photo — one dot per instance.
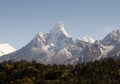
[97, 72]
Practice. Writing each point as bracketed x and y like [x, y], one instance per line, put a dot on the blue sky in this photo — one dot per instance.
[20, 20]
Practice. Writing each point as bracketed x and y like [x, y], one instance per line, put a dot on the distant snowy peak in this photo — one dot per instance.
[112, 38]
[6, 49]
[87, 39]
[59, 29]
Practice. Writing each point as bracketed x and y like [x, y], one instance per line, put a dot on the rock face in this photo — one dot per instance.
[112, 38]
[57, 47]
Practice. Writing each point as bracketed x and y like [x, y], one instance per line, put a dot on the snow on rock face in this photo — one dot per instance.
[6, 49]
[112, 38]
[39, 40]
[60, 58]
[88, 39]
[59, 29]
[58, 36]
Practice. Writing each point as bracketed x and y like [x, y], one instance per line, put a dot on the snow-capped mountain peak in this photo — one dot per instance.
[87, 39]
[112, 38]
[5, 49]
[59, 29]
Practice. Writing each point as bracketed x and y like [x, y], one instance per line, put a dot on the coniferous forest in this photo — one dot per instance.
[97, 72]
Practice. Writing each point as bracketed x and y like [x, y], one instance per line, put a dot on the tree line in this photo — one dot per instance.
[98, 72]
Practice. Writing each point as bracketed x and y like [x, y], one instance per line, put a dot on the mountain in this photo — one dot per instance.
[55, 47]
[58, 47]
[6, 49]
[112, 38]
[88, 39]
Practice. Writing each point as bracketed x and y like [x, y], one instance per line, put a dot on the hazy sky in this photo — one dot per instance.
[21, 20]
